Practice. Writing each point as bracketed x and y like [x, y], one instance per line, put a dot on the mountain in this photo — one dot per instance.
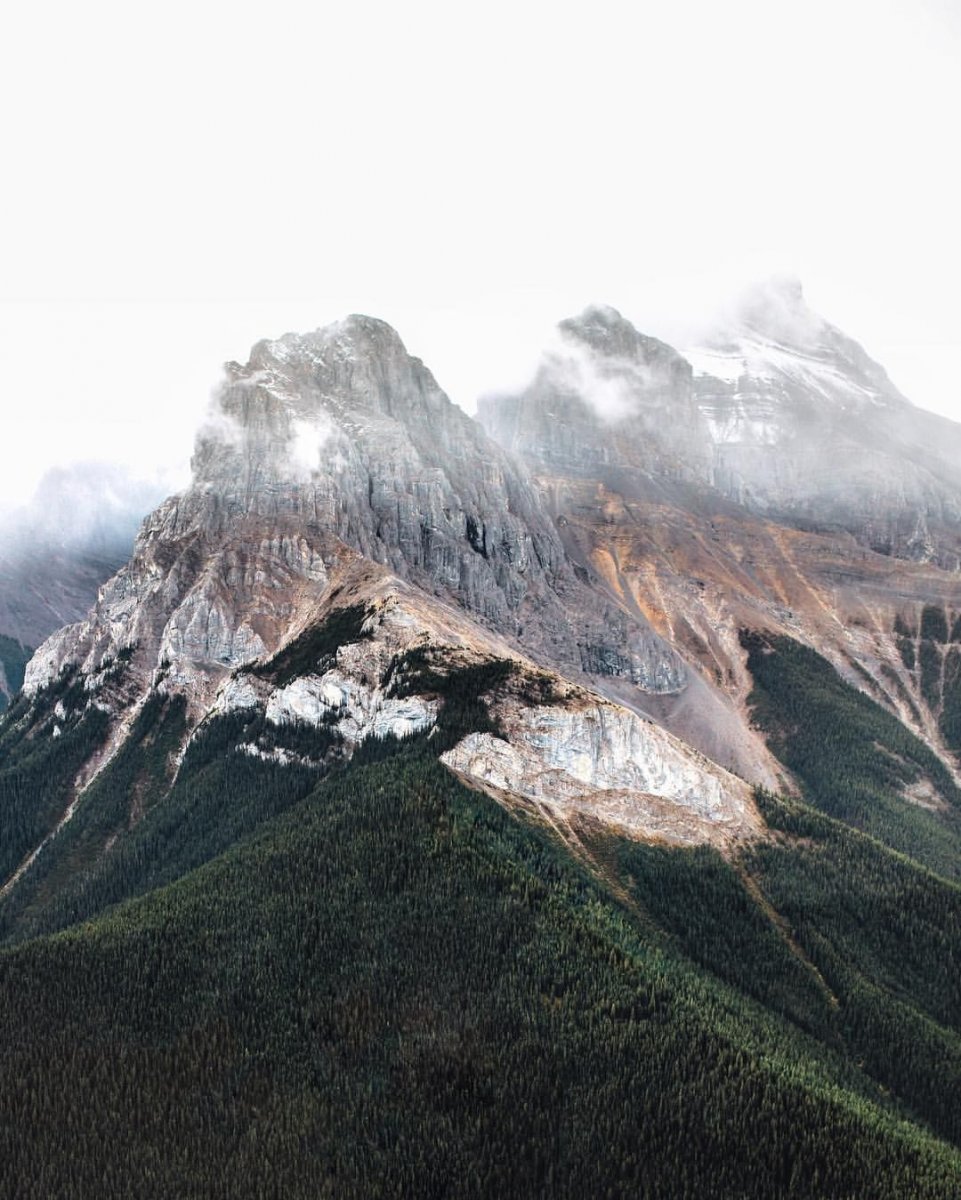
[753, 508]
[805, 425]
[333, 475]
[565, 802]
[777, 411]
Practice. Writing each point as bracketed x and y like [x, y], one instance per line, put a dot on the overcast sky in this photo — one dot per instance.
[182, 179]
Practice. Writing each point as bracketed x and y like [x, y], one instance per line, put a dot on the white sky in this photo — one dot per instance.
[178, 180]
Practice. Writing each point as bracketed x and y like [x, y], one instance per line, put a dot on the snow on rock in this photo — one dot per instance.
[278, 755]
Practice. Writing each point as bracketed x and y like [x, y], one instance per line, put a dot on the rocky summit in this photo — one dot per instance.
[618, 525]
[777, 411]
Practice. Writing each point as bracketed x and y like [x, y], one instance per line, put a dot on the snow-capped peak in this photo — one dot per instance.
[771, 335]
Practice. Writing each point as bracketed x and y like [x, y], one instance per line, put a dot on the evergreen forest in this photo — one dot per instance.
[273, 970]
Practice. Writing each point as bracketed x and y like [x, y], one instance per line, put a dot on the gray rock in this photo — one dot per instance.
[778, 412]
[605, 398]
[340, 441]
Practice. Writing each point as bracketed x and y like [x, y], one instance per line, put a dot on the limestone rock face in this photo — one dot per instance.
[600, 759]
[358, 710]
[191, 603]
[333, 443]
[343, 430]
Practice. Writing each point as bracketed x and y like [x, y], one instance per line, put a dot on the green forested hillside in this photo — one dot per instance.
[37, 773]
[933, 656]
[123, 841]
[852, 943]
[853, 759]
[13, 659]
[280, 974]
[397, 989]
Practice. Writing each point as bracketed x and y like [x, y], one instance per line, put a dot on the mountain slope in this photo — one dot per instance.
[751, 507]
[336, 487]
[805, 425]
[398, 988]
[777, 410]
[376, 662]
[56, 550]
[387, 826]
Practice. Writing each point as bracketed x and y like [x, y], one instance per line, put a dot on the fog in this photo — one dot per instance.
[107, 427]
[472, 176]
[92, 507]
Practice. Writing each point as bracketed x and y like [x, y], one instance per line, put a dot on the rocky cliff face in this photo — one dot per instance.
[780, 413]
[606, 399]
[784, 483]
[594, 760]
[639, 514]
[333, 475]
[340, 440]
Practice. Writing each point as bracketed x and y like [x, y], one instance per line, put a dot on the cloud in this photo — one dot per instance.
[305, 448]
[221, 428]
[611, 385]
[249, 418]
[90, 505]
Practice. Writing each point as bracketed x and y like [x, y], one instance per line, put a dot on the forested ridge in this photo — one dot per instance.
[261, 975]
[395, 989]
[853, 758]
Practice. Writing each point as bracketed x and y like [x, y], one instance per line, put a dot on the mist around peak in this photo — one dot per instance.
[89, 505]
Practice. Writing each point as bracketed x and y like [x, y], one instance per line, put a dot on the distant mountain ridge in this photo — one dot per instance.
[777, 411]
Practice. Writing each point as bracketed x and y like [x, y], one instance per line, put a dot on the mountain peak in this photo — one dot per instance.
[771, 333]
[605, 331]
[597, 319]
[776, 309]
[354, 369]
[353, 336]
